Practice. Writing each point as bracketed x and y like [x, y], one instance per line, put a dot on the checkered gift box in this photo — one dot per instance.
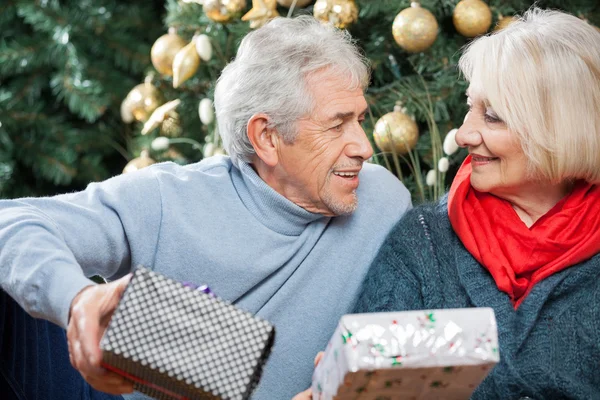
[175, 342]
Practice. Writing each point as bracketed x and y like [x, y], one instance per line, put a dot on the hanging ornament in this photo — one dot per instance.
[185, 64]
[164, 50]
[208, 150]
[160, 144]
[450, 146]
[206, 111]
[159, 115]
[396, 131]
[290, 3]
[472, 18]
[262, 11]
[341, 13]
[126, 114]
[204, 47]
[431, 177]
[142, 100]
[415, 28]
[171, 126]
[223, 10]
[503, 22]
[140, 162]
[443, 164]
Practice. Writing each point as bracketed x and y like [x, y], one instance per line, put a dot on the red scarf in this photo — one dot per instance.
[519, 257]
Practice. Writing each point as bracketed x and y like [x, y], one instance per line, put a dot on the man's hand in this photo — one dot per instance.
[307, 394]
[90, 313]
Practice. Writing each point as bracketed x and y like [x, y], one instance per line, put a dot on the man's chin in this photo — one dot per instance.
[340, 208]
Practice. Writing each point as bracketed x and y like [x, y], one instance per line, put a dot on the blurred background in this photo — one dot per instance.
[90, 89]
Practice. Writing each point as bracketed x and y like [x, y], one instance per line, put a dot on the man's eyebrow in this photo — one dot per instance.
[347, 115]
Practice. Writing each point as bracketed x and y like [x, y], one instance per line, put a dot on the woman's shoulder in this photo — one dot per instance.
[424, 219]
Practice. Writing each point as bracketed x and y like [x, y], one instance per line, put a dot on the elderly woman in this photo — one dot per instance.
[520, 228]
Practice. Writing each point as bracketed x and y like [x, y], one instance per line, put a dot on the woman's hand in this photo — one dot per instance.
[307, 394]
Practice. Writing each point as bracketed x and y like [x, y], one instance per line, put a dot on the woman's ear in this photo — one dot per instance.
[264, 139]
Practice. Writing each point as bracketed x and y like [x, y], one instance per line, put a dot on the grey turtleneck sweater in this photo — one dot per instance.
[208, 223]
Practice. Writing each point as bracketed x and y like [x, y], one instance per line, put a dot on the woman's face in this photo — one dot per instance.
[498, 162]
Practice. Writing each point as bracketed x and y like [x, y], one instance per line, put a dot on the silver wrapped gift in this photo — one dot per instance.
[429, 354]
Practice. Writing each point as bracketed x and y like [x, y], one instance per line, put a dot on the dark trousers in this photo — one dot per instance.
[34, 359]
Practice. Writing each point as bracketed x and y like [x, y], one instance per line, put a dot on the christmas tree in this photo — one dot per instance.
[416, 94]
[65, 66]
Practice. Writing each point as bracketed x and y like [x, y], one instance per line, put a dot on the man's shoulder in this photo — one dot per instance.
[379, 185]
[209, 167]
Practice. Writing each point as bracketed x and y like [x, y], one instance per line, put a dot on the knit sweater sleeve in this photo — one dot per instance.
[394, 280]
[49, 245]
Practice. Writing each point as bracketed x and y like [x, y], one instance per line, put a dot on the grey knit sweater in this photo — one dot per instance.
[549, 347]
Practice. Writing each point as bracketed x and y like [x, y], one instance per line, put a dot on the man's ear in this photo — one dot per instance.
[264, 139]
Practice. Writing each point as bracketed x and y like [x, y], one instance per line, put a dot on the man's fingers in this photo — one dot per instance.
[89, 343]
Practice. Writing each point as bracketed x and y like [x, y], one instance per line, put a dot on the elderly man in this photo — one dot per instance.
[281, 228]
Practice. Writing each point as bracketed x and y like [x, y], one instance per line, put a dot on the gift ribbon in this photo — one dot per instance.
[143, 382]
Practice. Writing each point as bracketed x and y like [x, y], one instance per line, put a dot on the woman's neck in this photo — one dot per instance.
[536, 200]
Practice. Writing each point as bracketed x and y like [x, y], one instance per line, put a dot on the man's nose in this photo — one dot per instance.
[360, 146]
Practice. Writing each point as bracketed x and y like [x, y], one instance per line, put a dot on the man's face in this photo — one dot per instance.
[319, 171]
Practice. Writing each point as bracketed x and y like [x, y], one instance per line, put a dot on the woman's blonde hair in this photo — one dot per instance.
[541, 75]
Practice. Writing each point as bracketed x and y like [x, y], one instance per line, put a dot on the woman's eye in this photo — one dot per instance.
[491, 118]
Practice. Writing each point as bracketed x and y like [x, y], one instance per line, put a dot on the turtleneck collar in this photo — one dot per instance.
[269, 207]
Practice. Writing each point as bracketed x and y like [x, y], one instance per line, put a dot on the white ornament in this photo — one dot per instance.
[219, 152]
[209, 150]
[204, 47]
[443, 164]
[450, 146]
[126, 114]
[206, 112]
[161, 143]
[431, 178]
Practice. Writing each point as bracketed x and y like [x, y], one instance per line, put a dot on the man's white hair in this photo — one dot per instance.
[269, 76]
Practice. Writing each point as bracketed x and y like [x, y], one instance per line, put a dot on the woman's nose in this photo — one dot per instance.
[468, 134]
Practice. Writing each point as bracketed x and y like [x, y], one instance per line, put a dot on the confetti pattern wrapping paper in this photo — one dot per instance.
[175, 342]
[430, 354]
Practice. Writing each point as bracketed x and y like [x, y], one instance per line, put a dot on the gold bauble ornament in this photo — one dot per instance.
[164, 50]
[142, 100]
[299, 3]
[171, 126]
[503, 22]
[415, 28]
[185, 64]
[341, 13]
[159, 115]
[472, 18]
[396, 131]
[223, 10]
[140, 162]
[262, 11]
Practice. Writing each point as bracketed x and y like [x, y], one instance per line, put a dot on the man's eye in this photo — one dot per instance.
[338, 128]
